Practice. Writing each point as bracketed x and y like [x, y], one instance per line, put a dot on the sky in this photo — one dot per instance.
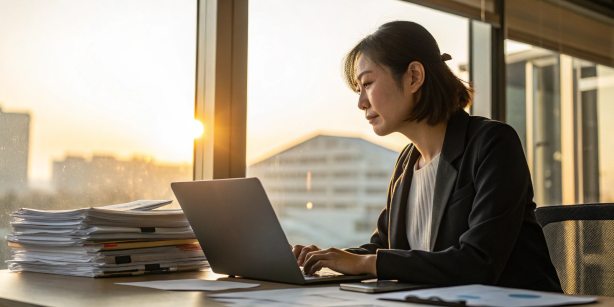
[117, 77]
[295, 85]
[100, 77]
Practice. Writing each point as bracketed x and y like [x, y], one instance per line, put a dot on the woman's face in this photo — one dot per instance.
[386, 106]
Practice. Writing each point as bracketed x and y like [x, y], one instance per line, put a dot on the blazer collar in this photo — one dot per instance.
[454, 140]
[453, 147]
[397, 234]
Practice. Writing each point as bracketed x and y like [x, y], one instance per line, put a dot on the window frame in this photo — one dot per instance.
[221, 79]
[221, 89]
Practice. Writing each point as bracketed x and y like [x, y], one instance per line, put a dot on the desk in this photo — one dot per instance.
[37, 289]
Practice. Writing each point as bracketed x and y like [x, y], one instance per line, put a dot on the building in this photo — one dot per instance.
[14, 151]
[328, 190]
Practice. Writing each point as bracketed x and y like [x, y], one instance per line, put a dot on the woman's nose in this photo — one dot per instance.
[363, 102]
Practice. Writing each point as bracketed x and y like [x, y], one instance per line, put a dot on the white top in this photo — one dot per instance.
[420, 206]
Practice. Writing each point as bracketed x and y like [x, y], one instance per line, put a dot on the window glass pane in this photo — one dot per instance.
[516, 90]
[534, 109]
[547, 131]
[325, 171]
[97, 102]
[533, 88]
[596, 88]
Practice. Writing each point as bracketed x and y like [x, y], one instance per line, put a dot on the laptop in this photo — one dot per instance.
[240, 234]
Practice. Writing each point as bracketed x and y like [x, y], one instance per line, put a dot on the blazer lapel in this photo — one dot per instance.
[453, 147]
[397, 233]
[444, 183]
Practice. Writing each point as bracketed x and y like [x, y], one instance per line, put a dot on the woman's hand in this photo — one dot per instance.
[301, 251]
[340, 261]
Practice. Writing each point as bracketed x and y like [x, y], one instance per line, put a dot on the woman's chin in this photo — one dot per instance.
[380, 131]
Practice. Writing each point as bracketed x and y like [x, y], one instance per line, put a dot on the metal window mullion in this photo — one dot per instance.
[530, 137]
[578, 126]
[221, 89]
[568, 150]
[498, 66]
[205, 87]
[487, 67]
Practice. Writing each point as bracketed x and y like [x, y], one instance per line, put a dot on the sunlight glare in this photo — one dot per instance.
[197, 128]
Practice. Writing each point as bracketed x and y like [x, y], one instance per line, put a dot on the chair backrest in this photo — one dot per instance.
[581, 243]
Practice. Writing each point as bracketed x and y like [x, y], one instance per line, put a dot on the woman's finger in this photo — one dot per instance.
[312, 258]
[310, 254]
[302, 255]
[318, 265]
[296, 250]
[304, 252]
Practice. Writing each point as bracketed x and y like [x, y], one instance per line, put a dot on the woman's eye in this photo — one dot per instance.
[366, 84]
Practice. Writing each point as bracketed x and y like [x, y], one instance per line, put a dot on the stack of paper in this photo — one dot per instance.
[125, 239]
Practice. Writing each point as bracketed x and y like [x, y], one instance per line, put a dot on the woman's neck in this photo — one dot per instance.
[427, 139]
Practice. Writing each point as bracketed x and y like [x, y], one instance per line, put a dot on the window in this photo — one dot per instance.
[560, 107]
[302, 118]
[96, 103]
[596, 145]
[534, 109]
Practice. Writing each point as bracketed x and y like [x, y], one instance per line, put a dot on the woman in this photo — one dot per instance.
[460, 208]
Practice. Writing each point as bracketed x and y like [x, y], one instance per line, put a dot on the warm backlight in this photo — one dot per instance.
[197, 129]
[309, 205]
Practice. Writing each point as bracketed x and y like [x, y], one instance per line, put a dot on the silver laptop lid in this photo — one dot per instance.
[237, 229]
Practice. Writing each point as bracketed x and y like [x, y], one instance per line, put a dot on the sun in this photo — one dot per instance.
[197, 128]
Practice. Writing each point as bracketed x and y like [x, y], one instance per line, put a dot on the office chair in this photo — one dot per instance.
[581, 244]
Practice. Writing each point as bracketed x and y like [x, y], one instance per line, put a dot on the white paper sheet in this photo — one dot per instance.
[480, 295]
[307, 296]
[191, 285]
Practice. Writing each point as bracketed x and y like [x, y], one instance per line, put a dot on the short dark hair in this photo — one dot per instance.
[398, 43]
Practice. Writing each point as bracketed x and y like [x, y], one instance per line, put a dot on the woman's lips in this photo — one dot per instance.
[372, 118]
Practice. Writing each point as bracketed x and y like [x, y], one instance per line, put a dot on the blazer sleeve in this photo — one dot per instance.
[379, 238]
[501, 182]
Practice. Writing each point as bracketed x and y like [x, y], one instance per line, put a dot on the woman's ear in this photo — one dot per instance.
[414, 76]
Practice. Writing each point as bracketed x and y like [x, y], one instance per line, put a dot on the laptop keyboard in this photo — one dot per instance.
[322, 274]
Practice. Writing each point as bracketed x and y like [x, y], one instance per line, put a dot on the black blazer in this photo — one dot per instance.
[484, 229]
